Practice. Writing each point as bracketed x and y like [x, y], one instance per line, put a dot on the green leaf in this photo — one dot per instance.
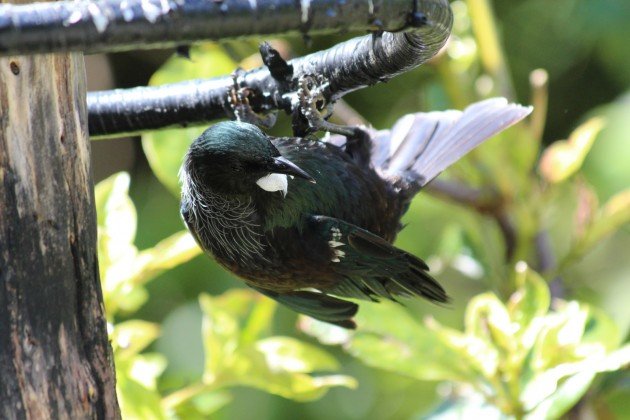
[561, 333]
[563, 397]
[488, 319]
[131, 337]
[291, 355]
[564, 158]
[116, 220]
[470, 406]
[324, 332]
[279, 365]
[529, 302]
[165, 255]
[251, 367]
[549, 384]
[146, 368]
[220, 331]
[606, 166]
[116, 217]
[202, 405]
[165, 149]
[611, 217]
[137, 401]
[388, 338]
[600, 329]
[259, 322]
[123, 270]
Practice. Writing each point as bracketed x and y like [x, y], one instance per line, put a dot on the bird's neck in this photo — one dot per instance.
[226, 225]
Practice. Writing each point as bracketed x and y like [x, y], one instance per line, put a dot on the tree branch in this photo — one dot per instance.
[487, 202]
[115, 25]
[348, 66]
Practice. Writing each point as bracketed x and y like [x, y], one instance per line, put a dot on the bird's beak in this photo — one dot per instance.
[281, 165]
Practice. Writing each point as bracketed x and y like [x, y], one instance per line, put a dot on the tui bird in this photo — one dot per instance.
[308, 222]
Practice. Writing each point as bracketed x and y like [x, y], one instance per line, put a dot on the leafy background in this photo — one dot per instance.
[520, 338]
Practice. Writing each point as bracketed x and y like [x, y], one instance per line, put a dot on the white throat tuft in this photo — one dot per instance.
[274, 182]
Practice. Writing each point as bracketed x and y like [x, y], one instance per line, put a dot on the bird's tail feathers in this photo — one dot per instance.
[425, 144]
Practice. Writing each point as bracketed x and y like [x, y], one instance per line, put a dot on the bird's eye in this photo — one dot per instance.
[237, 168]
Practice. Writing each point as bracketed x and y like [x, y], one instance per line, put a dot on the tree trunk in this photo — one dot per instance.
[55, 358]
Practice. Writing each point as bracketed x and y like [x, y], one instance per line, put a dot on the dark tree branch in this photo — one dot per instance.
[488, 202]
[484, 201]
[346, 67]
[116, 25]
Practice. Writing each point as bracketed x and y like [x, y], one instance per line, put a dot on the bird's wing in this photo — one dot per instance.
[370, 267]
[317, 305]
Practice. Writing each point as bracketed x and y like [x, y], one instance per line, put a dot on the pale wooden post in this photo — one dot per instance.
[55, 358]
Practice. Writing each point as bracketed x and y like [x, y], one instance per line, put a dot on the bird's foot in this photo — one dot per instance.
[238, 103]
[314, 106]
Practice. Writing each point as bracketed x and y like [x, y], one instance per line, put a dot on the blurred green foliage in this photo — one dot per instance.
[530, 332]
[238, 348]
[519, 359]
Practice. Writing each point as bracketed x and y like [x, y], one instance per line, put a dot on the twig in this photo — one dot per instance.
[345, 114]
[487, 202]
[538, 81]
[484, 201]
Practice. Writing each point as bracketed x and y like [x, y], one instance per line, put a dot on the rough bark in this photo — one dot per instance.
[55, 358]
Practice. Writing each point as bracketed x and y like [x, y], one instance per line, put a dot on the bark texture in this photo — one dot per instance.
[55, 358]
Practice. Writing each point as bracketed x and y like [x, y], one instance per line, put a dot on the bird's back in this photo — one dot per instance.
[346, 188]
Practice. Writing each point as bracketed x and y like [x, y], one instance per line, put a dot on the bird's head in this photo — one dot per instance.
[237, 158]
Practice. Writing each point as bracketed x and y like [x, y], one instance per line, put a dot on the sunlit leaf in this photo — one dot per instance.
[259, 322]
[561, 333]
[563, 158]
[466, 407]
[116, 216]
[166, 254]
[136, 401]
[388, 338]
[131, 337]
[291, 355]
[279, 365]
[146, 368]
[600, 329]
[562, 398]
[324, 332]
[614, 214]
[198, 406]
[123, 270]
[476, 359]
[220, 332]
[165, 148]
[488, 319]
[529, 301]
[550, 382]
[251, 368]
